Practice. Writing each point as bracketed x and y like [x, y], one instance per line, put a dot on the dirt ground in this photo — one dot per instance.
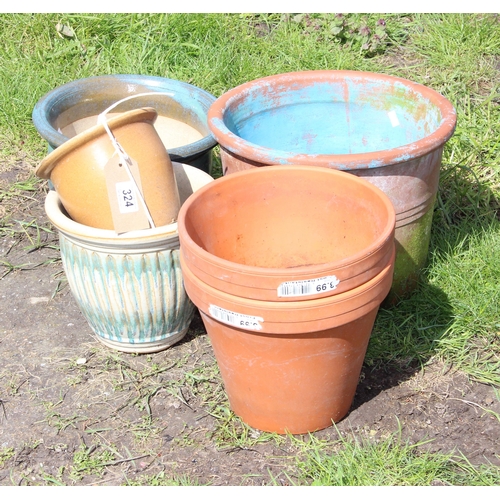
[73, 411]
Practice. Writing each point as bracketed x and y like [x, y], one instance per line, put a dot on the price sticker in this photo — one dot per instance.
[244, 321]
[308, 287]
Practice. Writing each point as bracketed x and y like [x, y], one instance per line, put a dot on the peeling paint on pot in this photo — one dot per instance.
[340, 119]
[388, 130]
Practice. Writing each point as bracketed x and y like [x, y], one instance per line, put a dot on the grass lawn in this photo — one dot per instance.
[454, 314]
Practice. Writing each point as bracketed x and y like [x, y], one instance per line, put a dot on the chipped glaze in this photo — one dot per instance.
[387, 130]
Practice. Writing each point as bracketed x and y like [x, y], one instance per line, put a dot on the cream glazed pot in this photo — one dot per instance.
[129, 287]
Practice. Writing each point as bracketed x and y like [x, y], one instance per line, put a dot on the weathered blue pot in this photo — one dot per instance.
[388, 130]
[182, 116]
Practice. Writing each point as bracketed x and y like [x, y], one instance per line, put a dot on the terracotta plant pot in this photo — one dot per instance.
[388, 130]
[76, 170]
[129, 287]
[290, 366]
[287, 234]
[181, 124]
[287, 366]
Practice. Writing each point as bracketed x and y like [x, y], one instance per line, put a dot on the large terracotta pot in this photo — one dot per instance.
[288, 366]
[182, 122]
[287, 235]
[387, 130]
[77, 170]
[129, 287]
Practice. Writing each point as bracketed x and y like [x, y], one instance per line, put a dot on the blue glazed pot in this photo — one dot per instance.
[182, 116]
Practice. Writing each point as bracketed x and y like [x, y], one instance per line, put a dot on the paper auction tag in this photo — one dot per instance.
[127, 209]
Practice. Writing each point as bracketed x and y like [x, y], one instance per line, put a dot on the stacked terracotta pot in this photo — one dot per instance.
[288, 266]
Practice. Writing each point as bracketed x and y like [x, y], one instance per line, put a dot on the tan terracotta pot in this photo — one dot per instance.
[76, 170]
[290, 366]
[287, 233]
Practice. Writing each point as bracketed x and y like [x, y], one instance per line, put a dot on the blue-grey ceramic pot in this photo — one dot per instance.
[73, 107]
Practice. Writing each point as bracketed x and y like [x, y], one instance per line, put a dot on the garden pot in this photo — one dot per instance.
[287, 233]
[182, 122]
[129, 287]
[387, 130]
[290, 366]
[77, 170]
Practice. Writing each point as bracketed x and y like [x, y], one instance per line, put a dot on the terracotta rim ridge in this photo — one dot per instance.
[50, 161]
[298, 304]
[289, 318]
[269, 156]
[320, 269]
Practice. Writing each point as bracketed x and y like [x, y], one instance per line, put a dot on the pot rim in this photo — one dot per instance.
[376, 159]
[57, 215]
[46, 166]
[155, 83]
[293, 306]
[320, 269]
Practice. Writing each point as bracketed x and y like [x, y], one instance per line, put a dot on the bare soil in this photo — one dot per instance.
[72, 411]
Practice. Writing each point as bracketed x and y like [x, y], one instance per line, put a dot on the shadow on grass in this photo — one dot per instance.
[408, 334]
[403, 340]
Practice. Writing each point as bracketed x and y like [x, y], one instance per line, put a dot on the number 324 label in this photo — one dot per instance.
[127, 198]
[123, 184]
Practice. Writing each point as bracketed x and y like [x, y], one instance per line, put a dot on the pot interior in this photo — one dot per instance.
[284, 218]
[74, 107]
[337, 116]
[173, 133]
[176, 129]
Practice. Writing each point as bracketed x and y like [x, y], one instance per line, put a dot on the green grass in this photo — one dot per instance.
[162, 479]
[91, 461]
[6, 454]
[454, 313]
[389, 462]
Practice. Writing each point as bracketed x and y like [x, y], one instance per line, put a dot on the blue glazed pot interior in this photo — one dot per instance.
[188, 105]
[335, 117]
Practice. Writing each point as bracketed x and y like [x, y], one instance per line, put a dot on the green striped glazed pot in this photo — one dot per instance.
[129, 287]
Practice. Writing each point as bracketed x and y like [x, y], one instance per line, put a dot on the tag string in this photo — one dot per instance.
[122, 154]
